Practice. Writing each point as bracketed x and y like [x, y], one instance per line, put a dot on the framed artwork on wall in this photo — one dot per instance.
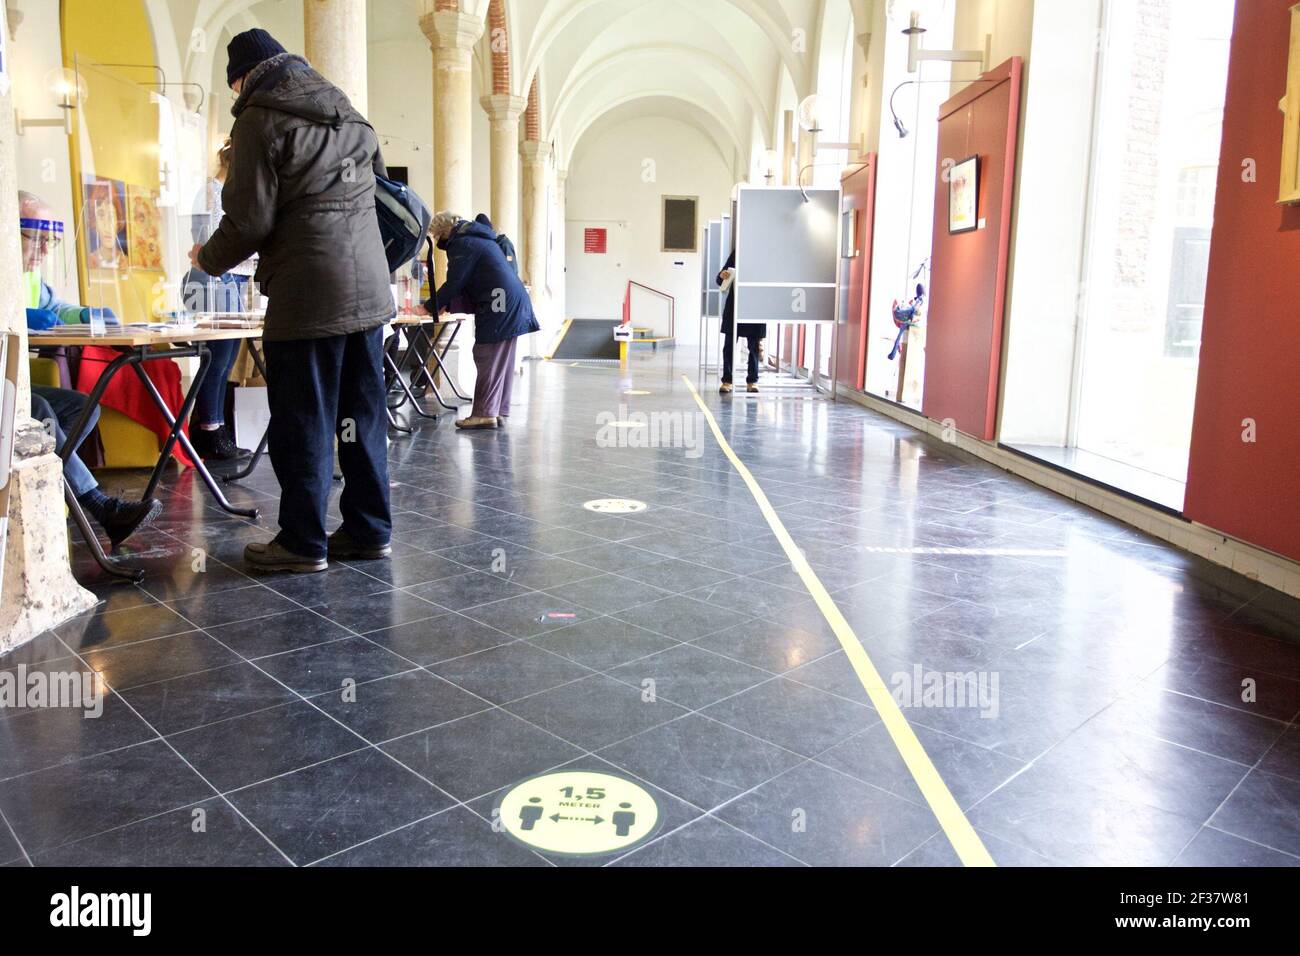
[964, 196]
[106, 224]
[144, 229]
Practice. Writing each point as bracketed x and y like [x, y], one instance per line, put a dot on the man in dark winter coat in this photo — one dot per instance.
[300, 193]
[752, 332]
[478, 271]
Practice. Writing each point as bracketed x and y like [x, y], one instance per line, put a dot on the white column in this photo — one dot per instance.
[38, 590]
[503, 112]
[335, 44]
[536, 155]
[806, 157]
[559, 307]
[452, 36]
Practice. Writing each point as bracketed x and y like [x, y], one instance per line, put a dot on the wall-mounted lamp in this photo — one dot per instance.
[916, 55]
[808, 121]
[69, 90]
[770, 160]
[903, 131]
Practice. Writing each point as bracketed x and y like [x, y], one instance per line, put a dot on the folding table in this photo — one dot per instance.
[428, 338]
[138, 344]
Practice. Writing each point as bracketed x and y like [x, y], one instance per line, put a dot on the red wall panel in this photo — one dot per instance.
[1250, 343]
[859, 187]
[963, 351]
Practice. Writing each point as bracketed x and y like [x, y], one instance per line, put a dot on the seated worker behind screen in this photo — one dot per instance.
[60, 408]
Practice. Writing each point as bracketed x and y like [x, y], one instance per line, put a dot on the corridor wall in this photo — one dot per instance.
[969, 270]
[613, 184]
[1251, 334]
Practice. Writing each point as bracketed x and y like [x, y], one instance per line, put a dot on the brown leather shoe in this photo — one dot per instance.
[472, 423]
[343, 548]
[273, 556]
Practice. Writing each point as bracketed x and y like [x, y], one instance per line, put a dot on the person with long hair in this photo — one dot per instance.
[209, 433]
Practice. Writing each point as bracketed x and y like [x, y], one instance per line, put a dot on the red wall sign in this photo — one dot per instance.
[595, 241]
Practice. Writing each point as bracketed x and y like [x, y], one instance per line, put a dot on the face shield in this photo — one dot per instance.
[42, 241]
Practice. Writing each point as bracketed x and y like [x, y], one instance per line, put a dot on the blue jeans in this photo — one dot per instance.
[319, 388]
[210, 403]
[61, 408]
[203, 293]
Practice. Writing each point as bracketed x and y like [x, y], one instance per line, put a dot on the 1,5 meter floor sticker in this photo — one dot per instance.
[579, 813]
[615, 506]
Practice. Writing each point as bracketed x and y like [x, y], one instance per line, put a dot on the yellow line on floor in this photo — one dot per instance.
[965, 841]
[559, 339]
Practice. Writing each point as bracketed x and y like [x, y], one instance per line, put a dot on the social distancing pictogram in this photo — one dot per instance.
[579, 813]
[616, 506]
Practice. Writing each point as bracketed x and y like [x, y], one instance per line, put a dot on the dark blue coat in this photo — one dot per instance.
[477, 270]
[746, 330]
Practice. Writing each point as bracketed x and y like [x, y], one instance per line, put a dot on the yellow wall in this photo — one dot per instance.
[116, 134]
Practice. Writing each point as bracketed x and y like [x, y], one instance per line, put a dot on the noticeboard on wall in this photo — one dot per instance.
[787, 254]
[680, 224]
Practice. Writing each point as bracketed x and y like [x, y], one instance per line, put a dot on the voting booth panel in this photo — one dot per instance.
[713, 258]
[787, 254]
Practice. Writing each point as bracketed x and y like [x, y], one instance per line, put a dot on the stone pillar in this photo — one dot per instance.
[536, 154]
[38, 591]
[559, 306]
[807, 155]
[787, 149]
[335, 44]
[452, 35]
[504, 111]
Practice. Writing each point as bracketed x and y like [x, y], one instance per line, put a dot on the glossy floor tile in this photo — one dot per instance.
[1089, 695]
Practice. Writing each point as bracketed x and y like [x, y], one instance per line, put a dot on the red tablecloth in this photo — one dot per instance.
[126, 393]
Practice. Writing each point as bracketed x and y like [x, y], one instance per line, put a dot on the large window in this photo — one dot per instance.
[1163, 74]
[905, 169]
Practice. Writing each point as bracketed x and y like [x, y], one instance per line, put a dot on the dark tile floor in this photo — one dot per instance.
[1140, 704]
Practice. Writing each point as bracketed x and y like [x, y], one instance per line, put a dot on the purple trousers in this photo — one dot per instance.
[495, 362]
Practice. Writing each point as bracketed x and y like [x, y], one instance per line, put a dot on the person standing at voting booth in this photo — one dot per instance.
[478, 271]
[752, 332]
[301, 194]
